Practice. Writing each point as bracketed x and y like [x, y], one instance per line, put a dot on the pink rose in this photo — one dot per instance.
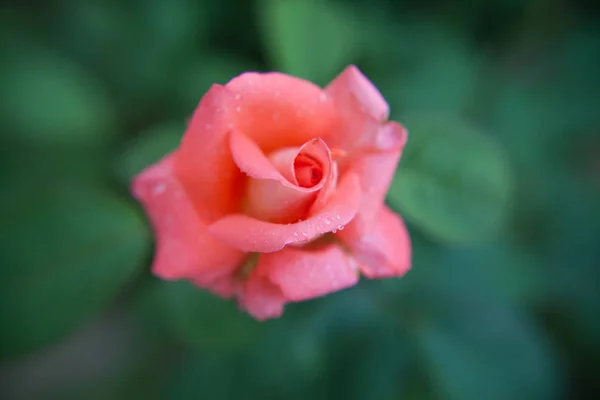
[276, 193]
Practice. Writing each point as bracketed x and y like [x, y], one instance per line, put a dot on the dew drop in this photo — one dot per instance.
[238, 96]
[341, 228]
[159, 189]
[238, 109]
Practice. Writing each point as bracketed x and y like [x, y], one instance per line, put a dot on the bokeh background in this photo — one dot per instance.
[499, 185]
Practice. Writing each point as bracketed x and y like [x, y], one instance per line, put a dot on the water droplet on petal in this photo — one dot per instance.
[159, 189]
[238, 96]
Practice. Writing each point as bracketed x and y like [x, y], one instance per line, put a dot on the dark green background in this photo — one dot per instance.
[499, 185]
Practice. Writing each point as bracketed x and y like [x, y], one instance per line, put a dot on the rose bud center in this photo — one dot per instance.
[307, 170]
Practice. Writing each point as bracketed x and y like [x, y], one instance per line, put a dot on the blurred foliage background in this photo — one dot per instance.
[499, 184]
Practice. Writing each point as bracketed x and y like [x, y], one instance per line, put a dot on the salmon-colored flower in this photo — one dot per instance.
[276, 193]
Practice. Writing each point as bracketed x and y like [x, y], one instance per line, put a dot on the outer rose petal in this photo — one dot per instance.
[261, 298]
[376, 171]
[363, 112]
[252, 235]
[225, 285]
[352, 82]
[185, 249]
[385, 250]
[304, 274]
[203, 162]
[278, 110]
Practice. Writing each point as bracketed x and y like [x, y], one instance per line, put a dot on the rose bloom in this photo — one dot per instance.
[276, 192]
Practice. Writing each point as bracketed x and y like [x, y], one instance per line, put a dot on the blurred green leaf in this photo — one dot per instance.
[519, 113]
[454, 182]
[148, 148]
[203, 320]
[419, 64]
[372, 356]
[491, 355]
[201, 73]
[46, 100]
[440, 72]
[208, 374]
[311, 39]
[444, 79]
[474, 335]
[66, 251]
[505, 270]
[139, 47]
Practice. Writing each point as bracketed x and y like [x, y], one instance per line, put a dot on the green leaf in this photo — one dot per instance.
[204, 320]
[48, 100]
[138, 47]
[441, 73]
[67, 251]
[200, 74]
[474, 336]
[313, 40]
[210, 376]
[427, 67]
[148, 148]
[493, 354]
[454, 182]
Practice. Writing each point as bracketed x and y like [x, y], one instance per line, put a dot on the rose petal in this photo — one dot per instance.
[185, 249]
[203, 162]
[305, 274]
[270, 196]
[363, 114]
[253, 162]
[261, 299]
[391, 137]
[328, 188]
[313, 156]
[385, 250]
[225, 285]
[376, 171]
[277, 110]
[353, 82]
[252, 235]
